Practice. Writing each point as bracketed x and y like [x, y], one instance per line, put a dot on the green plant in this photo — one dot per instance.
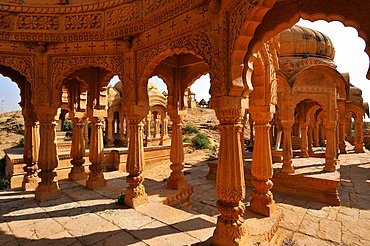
[191, 129]
[67, 125]
[4, 182]
[214, 154]
[121, 199]
[21, 142]
[201, 141]
[186, 140]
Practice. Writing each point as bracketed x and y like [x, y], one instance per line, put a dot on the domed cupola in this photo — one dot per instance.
[304, 42]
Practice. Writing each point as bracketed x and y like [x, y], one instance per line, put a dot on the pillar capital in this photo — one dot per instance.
[229, 109]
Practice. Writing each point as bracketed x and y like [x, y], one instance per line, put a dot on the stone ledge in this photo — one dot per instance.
[174, 198]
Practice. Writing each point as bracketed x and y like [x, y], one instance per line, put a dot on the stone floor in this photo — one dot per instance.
[84, 217]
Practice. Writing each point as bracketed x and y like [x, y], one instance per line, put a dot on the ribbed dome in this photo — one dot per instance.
[304, 42]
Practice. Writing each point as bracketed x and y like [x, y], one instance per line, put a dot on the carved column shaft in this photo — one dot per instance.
[287, 147]
[30, 154]
[310, 140]
[316, 132]
[110, 138]
[359, 144]
[147, 126]
[262, 199]
[230, 183]
[48, 157]
[342, 134]
[96, 155]
[304, 141]
[78, 150]
[177, 178]
[331, 148]
[135, 193]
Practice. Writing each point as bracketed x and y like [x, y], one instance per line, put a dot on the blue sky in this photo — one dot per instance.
[350, 57]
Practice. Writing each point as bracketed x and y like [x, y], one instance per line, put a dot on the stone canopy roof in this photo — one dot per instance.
[305, 42]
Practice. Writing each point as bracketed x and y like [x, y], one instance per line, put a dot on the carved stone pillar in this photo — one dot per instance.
[359, 142]
[342, 134]
[48, 188]
[110, 138]
[230, 183]
[96, 155]
[78, 150]
[135, 192]
[86, 132]
[287, 147]
[304, 141]
[177, 178]
[251, 130]
[262, 201]
[147, 126]
[30, 154]
[331, 148]
[310, 140]
[316, 131]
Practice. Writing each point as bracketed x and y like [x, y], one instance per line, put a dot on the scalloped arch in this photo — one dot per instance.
[267, 21]
[56, 93]
[151, 66]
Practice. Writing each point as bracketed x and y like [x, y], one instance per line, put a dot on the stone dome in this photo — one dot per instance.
[304, 42]
[155, 96]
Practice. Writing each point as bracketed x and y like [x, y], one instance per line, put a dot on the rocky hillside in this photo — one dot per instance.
[11, 130]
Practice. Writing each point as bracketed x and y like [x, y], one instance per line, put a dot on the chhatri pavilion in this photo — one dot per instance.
[51, 47]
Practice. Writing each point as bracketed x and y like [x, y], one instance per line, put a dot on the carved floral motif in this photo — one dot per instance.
[126, 13]
[238, 17]
[37, 22]
[4, 21]
[88, 21]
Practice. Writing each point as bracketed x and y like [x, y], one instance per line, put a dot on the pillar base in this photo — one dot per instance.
[77, 173]
[304, 154]
[330, 165]
[359, 148]
[230, 233]
[287, 167]
[30, 183]
[176, 184]
[264, 231]
[110, 145]
[96, 182]
[47, 192]
[260, 207]
[136, 197]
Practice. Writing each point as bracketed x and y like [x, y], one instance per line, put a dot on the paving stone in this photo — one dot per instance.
[330, 230]
[198, 226]
[302, 239]
[6, 234]
[126, 218]
[164, 213]
[90, 228]
[121, 238]
[52, 228]
[292, 220]
[309, 225]
[158, 233]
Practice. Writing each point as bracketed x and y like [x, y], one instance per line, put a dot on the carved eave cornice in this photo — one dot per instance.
[292, 65]
[61, 9]
[100, 21]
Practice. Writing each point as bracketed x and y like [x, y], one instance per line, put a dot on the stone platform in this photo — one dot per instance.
[309, 180]
[91, 217]
[114, 159]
